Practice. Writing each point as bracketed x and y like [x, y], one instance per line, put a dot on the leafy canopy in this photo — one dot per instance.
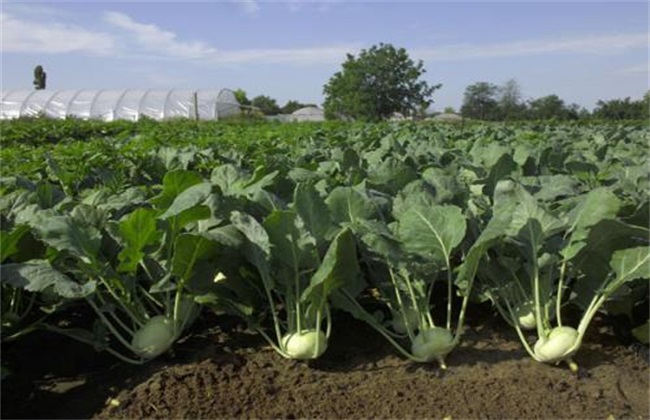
[382, 80]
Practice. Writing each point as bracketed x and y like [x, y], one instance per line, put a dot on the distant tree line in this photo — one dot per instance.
[266, 105]
[383, 81]
[489, 102]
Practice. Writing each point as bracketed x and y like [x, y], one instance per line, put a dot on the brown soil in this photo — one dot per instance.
[225, 372]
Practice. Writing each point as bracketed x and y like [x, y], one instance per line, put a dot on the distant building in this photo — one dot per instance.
[129, 104]
[448, 117]
[308, 113]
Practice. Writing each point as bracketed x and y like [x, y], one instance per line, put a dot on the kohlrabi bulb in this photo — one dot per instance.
[154, 338]
[560, 344]
[307, 344]
[433, 344]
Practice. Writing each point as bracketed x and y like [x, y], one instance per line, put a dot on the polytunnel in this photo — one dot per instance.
[128, 104]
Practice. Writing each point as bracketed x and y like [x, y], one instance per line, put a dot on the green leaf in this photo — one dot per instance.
[432, 231]
[501, 170]
[347, 204]
[188, 250]
[193, 196]
[174, 183]
[630, 264]
[258, 245]
[313, 211]
[339, 266]
[391, 175]
[291, 244]
[597, 205]
[39, 275]
[191, 215]
[528, 208]
[9, 241]
[230, 178]
[137, 231]
[65, 234]
[595, 259]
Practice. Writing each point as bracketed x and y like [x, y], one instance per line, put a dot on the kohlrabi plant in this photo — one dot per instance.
[404, 260]
[132, 273]
[296, 280]
[543, 260]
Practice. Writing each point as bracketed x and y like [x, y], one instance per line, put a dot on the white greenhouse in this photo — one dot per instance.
[129, 104]
[308, 113]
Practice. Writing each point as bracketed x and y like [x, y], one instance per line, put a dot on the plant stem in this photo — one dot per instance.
[558, 302]
[109, 325]
[381, 330]
[450, 281]
[403, 309]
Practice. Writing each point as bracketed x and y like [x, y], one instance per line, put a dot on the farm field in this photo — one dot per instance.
[324, 270]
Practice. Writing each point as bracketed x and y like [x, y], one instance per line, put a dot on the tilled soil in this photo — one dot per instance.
[225, 372]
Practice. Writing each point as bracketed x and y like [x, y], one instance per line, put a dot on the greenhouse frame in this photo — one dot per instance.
[127, 104]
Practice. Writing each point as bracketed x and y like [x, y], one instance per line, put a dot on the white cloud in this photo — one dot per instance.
[165, 44]
[29, 36]
[597, 44]
[323, 54]
[249, 6]
[153, 39]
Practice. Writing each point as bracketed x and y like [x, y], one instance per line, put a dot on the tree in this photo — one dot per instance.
[240, 95]
[39, 77]
[479, 101]
[381, 81]
[266, 104]
[511, 105]
[292, 106]
[552, 107]
[449, 110]
[623, 109]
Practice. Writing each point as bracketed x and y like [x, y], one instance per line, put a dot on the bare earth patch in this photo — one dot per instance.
[225, 372]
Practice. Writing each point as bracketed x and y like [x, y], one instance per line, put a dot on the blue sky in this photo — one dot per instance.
[582, 51]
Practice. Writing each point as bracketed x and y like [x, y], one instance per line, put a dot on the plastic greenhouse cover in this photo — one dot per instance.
[109, 105]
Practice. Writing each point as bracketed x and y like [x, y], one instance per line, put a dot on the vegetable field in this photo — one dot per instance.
[336, 270]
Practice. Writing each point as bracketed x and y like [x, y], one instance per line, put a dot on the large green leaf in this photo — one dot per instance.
[500, 170]
[137, 231]
[9, 241]
[432, 231]
[230, 178]
[527, 208]
[313, 211]
[604, 240]
[347, 205]
[39, 275]
[258, 246]
[391, 175]
[291, 244]
[174, 183]
[66, 234]
[188, 250]
[630, 264]
[194, 195]
[190, 215]
[339, 266]
[597, 205]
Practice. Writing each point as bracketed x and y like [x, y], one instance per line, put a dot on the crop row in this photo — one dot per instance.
[280, 233]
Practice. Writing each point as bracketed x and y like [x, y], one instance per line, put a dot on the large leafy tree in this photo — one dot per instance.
[382, 80]
[510, 100]
[242, 98]
[552, 107]
[266, 104]
[623, 109]
[480, 101]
